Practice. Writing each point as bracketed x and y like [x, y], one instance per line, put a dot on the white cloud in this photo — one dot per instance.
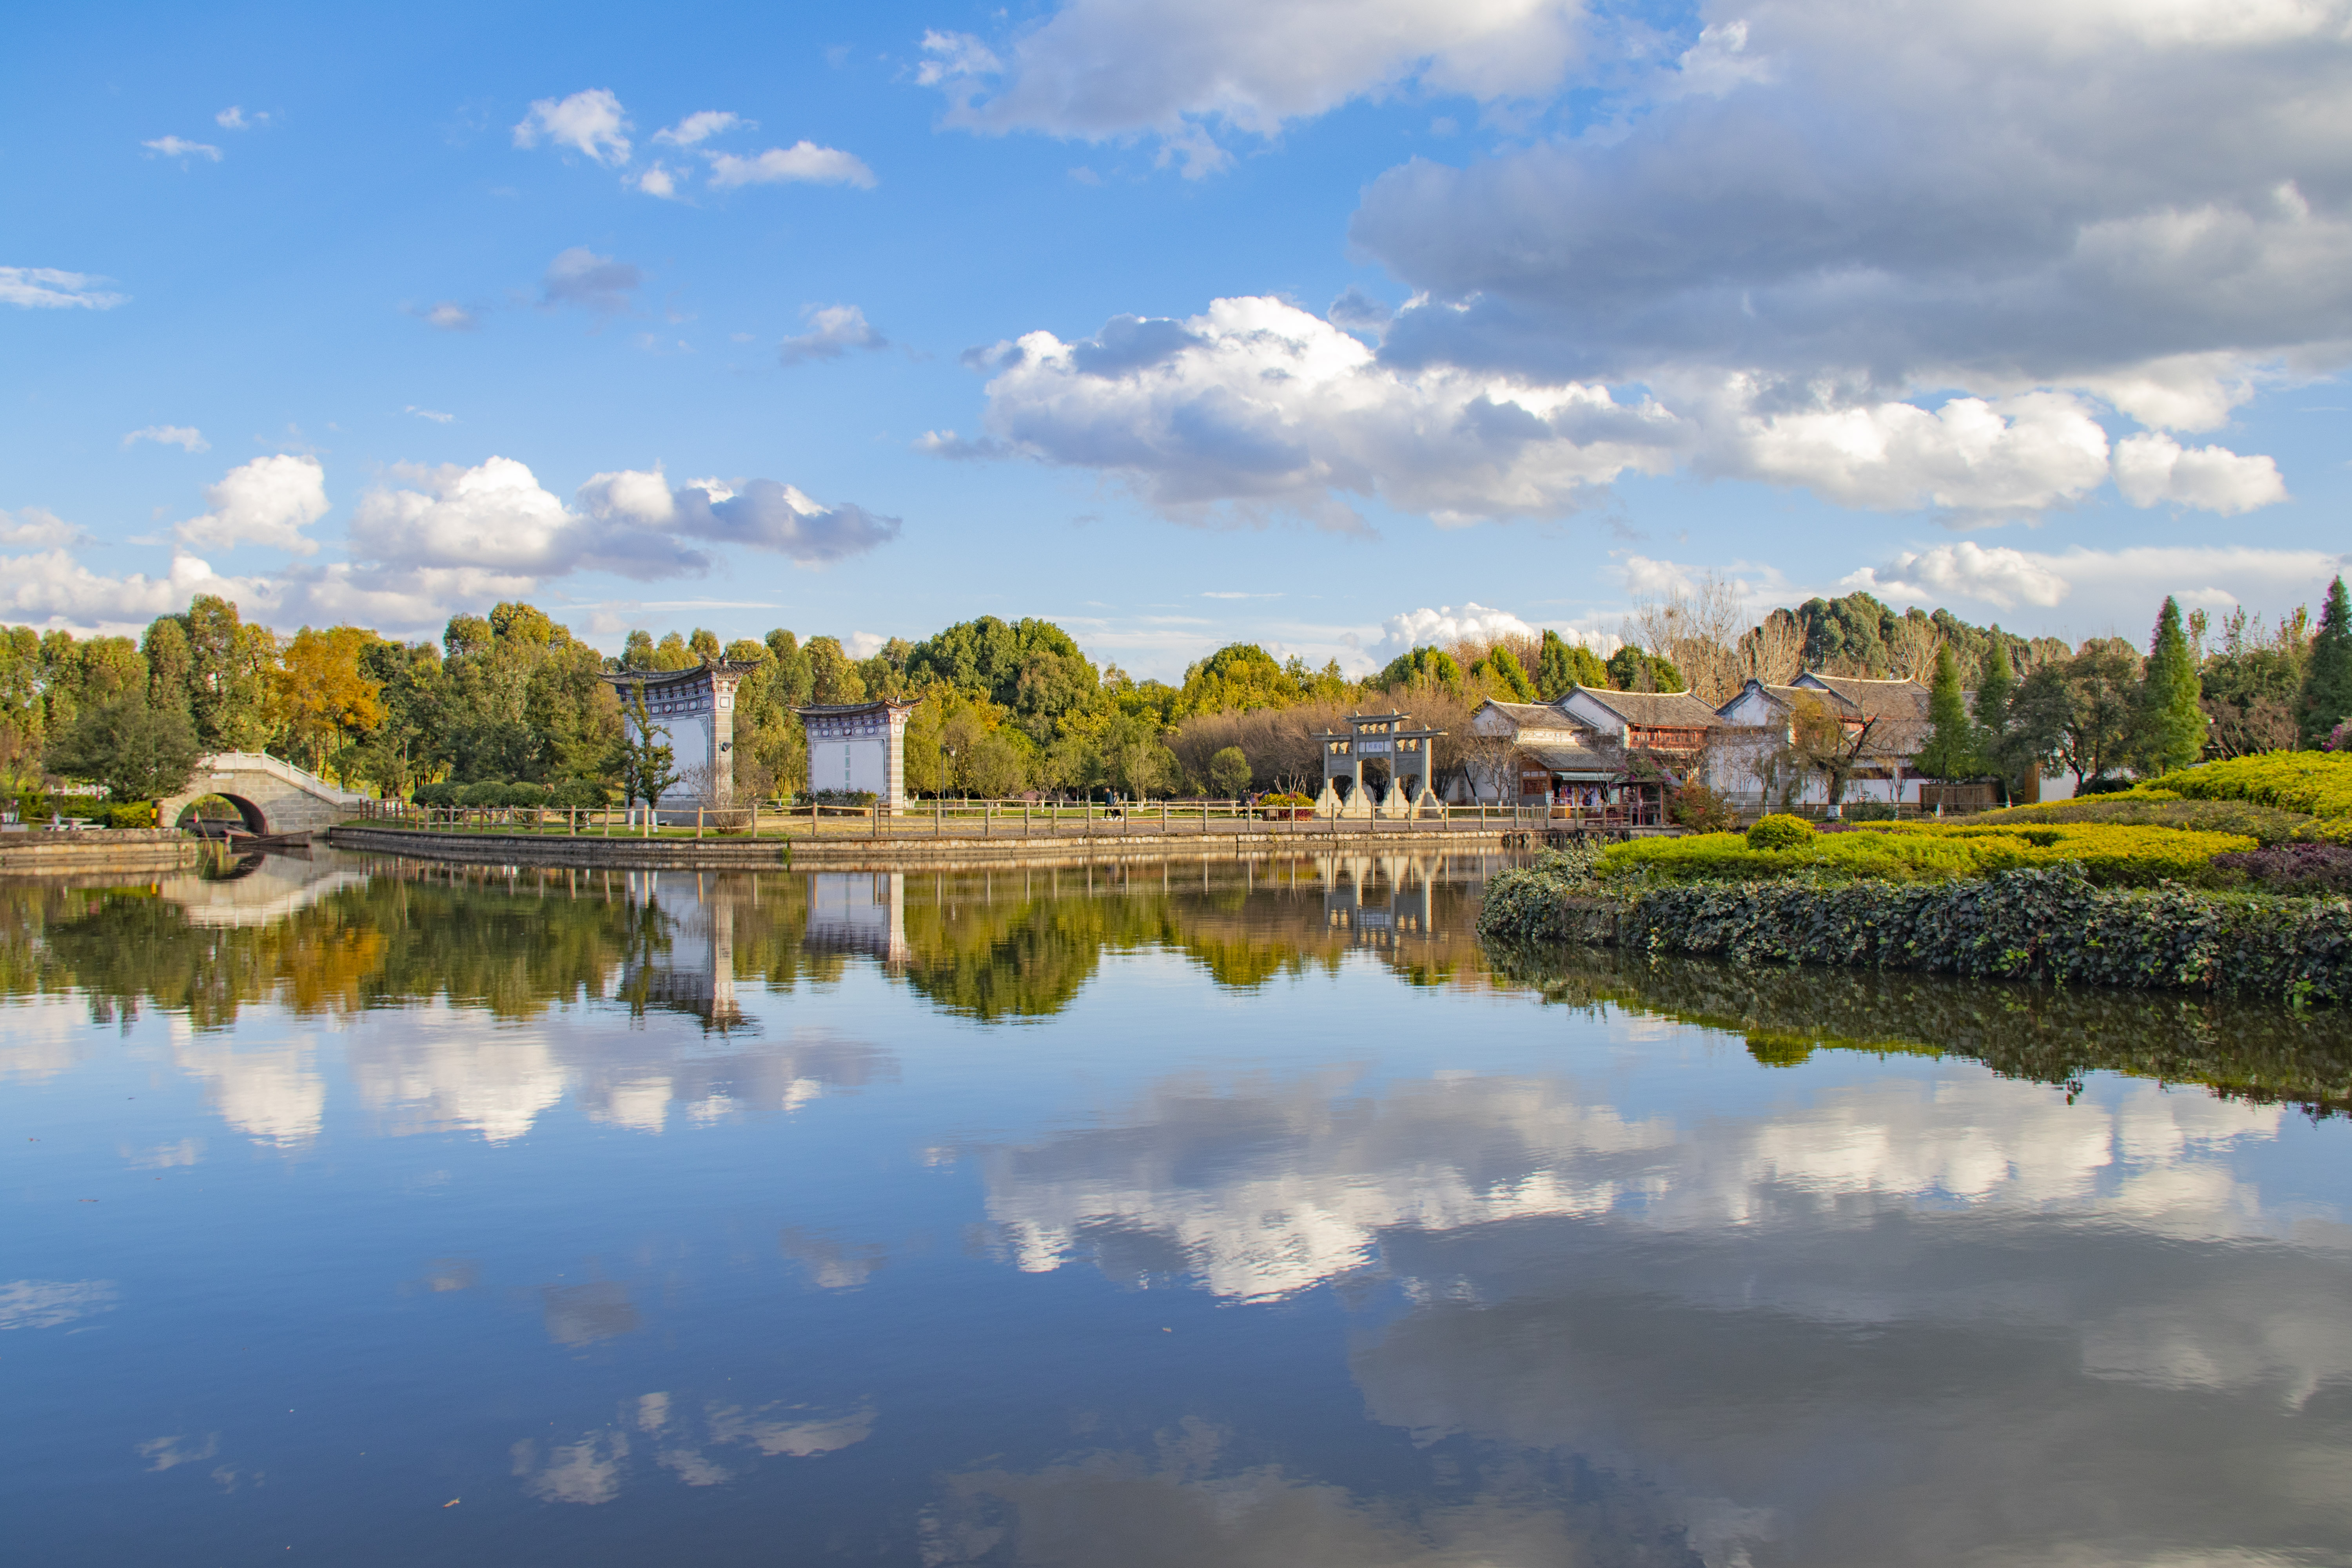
[1103, 69]
[2155, 468]
[185, 437]
[758, 514]
[35, 527]
[1255, 406]
[833, 330]
[580, 276]
[701, 126]
[47, 288]
[591, 123]
[496, 516]
[658, 179]
[235, 118]
[1970, 456]
[2101, 589]
[801, 162]
[174, 147]
[1999, 576]
[434, 414]
[268, 501]
[1442, 627]
[452, 317]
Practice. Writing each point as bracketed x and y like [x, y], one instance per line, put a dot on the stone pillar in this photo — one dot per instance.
[721, 698]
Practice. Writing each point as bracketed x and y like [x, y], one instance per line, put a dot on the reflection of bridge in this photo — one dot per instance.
[277, 889]
[271, 795]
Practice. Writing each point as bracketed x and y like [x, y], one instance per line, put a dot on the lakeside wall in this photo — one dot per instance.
[41, 852]
[857, 854]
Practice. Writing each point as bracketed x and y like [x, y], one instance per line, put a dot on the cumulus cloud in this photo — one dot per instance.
[33, 528]
[452, 317]
[2155, 468]
[1970, 457]
[496, 516]
[580, 276]
[803, 162]
[2099, 585]
[701, 126]
[1999, 576]
[658, 179]
[591, 123]
[175, 147]
[1444, 625]
[834, 330]
[426, 540]
[758, 514]
[1906, 196]
[185, 437]
[235, 118]
[1255, 406]
[268, 501]
[1103, 69]
[47, 288]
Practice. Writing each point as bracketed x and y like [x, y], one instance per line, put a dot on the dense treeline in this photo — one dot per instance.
[514, 697]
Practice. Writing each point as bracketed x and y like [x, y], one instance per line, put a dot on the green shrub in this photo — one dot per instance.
[1869, 811]
[488, 794]
[578, 795]
[128, 814]
[524, 794]
[1779, 831]
[438, 796]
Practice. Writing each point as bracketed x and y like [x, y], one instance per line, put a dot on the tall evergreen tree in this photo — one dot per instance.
[1951, 751]
[2327, 679]
[1996, 692]
[2171, 727]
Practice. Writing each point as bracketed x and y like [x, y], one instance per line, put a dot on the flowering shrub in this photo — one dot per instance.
[1937, 852]
[1699, 808]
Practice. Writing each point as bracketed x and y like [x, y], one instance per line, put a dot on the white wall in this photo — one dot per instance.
[858, 764]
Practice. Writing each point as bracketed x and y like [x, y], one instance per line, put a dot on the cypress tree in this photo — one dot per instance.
[2172, 724]
[2326, 698]
[1995, 692]
[1951, 751]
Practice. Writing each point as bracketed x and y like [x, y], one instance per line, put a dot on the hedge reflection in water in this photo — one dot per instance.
[344, 934]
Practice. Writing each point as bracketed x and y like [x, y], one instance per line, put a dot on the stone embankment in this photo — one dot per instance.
[42, 852]
[853, 853]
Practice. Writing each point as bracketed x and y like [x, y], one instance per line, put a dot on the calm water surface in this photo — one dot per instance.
[368, 1213]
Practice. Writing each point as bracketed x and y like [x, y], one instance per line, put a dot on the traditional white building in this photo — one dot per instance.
[859, 747]
[1750, 760]
[696, 707]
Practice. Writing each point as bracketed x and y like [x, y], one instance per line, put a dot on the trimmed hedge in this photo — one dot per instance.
[2266, 824]
[2318, 781]
[2029, 924]
[1936, 852]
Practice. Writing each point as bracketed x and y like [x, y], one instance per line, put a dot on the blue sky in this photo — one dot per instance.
[1527, 310]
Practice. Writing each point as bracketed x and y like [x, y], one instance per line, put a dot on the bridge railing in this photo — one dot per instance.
[278, 768]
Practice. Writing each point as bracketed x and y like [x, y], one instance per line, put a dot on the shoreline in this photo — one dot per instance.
[46, 852]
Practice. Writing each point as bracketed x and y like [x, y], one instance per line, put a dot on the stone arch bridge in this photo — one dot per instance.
[271, 795]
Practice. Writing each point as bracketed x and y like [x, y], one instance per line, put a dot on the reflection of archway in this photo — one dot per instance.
[249, 814]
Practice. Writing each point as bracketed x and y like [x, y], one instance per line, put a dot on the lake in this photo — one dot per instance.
[369, 1212]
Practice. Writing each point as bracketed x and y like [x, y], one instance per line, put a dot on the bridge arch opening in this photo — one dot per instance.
[206, 808]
